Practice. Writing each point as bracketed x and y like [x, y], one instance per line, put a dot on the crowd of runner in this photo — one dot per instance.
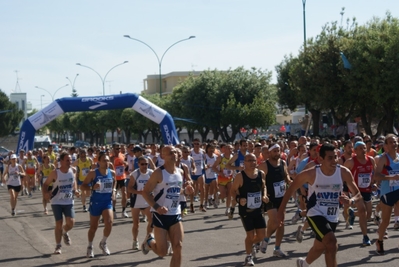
[161, 184]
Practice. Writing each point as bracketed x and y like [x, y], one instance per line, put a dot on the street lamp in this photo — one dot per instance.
[159, 60]
[52, 95]
[304, 23]
[73, 83]
[41, 102]
[102, 79]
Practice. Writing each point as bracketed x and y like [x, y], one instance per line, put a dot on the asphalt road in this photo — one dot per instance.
[210, 240]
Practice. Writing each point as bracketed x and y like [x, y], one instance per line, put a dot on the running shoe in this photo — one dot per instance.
[90, 252]
[135, 245]
[192, 210]
[115, 216]
[45, 211]
[249, 261]
[57, 249]
[125, 215]
[202, 208]
[253, 251]
[263, 246]
[170, 250]
[299, 234]
[279, 253]
[13, 213]
[366, 241]
[231, 213]
[84, 209]
[348, 226]
[351, 218]
[145, 247]
[300, 262]
[296, 217]
[196, 199]
[104, 248]
[380, 247]
[67, 239]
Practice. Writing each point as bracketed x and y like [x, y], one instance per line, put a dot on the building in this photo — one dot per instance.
[169, 81]
[284, 116]
[20, 100]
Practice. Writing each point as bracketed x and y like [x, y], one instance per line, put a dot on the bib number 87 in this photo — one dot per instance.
[332, 211]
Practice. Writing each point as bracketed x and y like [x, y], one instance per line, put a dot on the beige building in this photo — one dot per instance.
[169, 81]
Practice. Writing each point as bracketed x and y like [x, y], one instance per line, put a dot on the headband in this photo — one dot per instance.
[273, 147]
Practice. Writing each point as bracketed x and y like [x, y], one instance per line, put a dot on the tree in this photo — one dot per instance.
[10, 115]
[205, 101]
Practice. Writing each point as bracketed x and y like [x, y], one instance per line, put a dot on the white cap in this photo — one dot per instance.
[13, 156]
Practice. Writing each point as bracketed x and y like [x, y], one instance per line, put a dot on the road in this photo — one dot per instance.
[210, 240]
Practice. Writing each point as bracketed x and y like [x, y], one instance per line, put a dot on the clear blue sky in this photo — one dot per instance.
[44, 40]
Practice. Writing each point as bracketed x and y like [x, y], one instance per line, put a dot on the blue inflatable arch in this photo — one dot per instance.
[93, 103]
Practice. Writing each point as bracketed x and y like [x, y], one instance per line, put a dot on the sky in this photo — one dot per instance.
[41, 41]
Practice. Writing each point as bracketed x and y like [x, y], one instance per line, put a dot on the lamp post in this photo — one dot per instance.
[102, 79]
[304, 23]
[73, 83]
[52, 95]
[41, 102]
[159, 60]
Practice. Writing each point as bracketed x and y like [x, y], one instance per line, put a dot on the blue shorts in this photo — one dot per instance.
[66, 210]
[195, 177]
[165, 221]
[209, 180]
[390, 198]
[366, 196]
[97, 208]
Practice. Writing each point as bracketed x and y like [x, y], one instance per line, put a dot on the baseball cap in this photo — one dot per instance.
[359, 143]
[13, 156]
[137, 149]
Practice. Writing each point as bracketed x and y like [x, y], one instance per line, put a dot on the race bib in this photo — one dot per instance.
[329, 209]
[364, 180]
[172, 202]
[279, 189]
[31, 165]
[14, 176]
[198, 163]
[393, 183]
[85, 171]
[254, 200]
[105, 187]
[65, 195]
[227, 172]
[119, 170]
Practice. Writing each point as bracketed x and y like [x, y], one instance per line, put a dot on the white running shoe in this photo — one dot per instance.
[67, 239]
[279, 253]
[57, 249]
[296, 217]
[299, 234]
[170, 250]
[136, 245]
[263, 246]
[300, 262]
[125, 215]
[90, 252]
[145, 248]
[249, 261]
[104, 248]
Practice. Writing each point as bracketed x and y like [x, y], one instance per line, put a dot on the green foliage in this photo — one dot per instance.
[222, 100]
[316, 77]
[10, 117]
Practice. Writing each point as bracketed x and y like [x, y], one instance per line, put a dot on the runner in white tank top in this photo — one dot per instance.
[138, 179]
[13, 173]
[166, 184]
[64, 189]
[325, 191]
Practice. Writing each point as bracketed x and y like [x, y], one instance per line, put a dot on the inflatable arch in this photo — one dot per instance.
[93, 103]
